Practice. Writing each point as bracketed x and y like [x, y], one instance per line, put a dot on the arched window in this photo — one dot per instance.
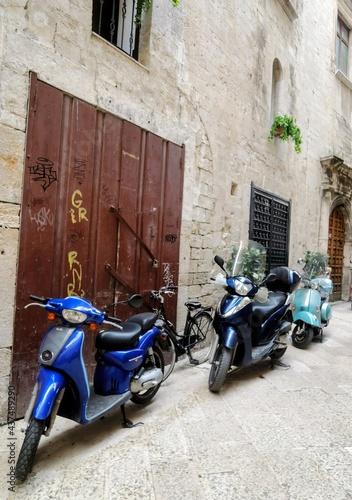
[276, 90]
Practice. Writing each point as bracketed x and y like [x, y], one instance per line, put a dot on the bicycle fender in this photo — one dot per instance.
[307, 317]
[50, 383]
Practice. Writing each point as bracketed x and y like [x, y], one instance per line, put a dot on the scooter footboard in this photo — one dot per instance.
[50, 383]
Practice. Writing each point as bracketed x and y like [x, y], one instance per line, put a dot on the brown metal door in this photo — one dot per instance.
[101, 215]
[335, 251]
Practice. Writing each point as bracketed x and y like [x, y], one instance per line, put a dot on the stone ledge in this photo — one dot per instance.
[343, 78]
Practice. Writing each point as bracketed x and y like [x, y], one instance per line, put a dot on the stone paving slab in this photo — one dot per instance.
[269, 434]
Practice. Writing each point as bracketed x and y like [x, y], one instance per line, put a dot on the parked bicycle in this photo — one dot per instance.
[196, 339]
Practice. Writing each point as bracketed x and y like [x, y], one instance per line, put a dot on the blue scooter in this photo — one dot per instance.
[129, 367]
[253, 318]
[311, 309]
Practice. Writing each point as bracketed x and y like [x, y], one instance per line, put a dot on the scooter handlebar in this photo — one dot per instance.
[111, 318]
[219, 279]
[43, 300]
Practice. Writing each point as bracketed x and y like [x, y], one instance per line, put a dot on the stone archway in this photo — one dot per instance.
[336, 208]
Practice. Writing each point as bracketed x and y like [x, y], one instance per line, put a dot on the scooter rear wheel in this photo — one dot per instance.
[29, 448]
[302, 335]
[219, 368]
[144, 397]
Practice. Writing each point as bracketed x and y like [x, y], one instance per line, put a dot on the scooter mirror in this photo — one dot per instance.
[270, 278]
[135, 301]
[219, 261]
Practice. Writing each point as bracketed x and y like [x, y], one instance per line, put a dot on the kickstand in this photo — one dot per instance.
[192, 361]
[127, 424]
[277, 362]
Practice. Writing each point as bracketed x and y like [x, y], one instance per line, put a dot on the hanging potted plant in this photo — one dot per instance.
[144, 6]
[284, 127]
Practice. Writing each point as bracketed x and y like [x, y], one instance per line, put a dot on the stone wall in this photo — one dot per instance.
[205, 80]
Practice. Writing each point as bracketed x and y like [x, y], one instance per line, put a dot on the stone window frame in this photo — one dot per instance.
[115, 23]
[341, 41]
[346, 19]
[269, 225]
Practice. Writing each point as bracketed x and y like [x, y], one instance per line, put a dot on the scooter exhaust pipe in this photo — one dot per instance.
[150, 378]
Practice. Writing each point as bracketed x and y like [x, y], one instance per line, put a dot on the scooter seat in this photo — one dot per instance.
[145, 320]
[115, 339]
[262, 311]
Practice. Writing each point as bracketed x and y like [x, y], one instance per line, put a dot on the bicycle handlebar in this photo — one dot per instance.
[164, 289]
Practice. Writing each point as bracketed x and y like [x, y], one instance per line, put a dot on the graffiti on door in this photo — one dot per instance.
[81, 163]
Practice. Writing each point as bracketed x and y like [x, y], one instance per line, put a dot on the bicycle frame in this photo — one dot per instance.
[180, 339]
[197, 337]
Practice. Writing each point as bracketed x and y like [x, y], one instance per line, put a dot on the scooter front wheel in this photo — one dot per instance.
[302, 335]
[219, 368]
[29, 448]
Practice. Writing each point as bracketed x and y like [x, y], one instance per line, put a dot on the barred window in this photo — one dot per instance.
[270, 226]
[114, 20]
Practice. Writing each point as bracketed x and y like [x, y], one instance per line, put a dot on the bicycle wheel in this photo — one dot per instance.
[169, 352]
[201, 335]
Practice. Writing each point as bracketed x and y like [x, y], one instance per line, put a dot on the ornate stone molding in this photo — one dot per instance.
[338, 176]
[288, 7]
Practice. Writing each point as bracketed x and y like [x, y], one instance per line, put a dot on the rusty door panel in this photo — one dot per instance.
[128, 202]
[108, 163]
[100, 217]
[171, 218]
[150, 209]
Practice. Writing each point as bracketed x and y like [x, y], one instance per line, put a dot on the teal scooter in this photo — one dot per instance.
[311, 309]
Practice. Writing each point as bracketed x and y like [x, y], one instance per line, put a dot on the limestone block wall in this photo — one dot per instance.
[204, 79]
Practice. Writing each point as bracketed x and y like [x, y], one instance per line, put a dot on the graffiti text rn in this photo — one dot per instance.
[75, 286]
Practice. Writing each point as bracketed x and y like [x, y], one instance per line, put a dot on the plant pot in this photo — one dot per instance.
[278, 132]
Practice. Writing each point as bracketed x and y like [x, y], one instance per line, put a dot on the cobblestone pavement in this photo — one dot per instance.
[269, 434]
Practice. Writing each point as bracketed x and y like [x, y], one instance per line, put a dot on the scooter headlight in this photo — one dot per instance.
[73, 316]
[314, 285]
[240, 305]
[243, 288]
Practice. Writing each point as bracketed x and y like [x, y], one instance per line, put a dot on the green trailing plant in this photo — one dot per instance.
[253, 263]
[284, 127]
[144, 6]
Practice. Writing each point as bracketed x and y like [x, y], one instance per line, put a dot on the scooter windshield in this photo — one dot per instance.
[247, 259]
[316, 265]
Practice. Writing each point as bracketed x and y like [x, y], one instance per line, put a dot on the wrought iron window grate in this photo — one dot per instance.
[270, 226]
[114, 20]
